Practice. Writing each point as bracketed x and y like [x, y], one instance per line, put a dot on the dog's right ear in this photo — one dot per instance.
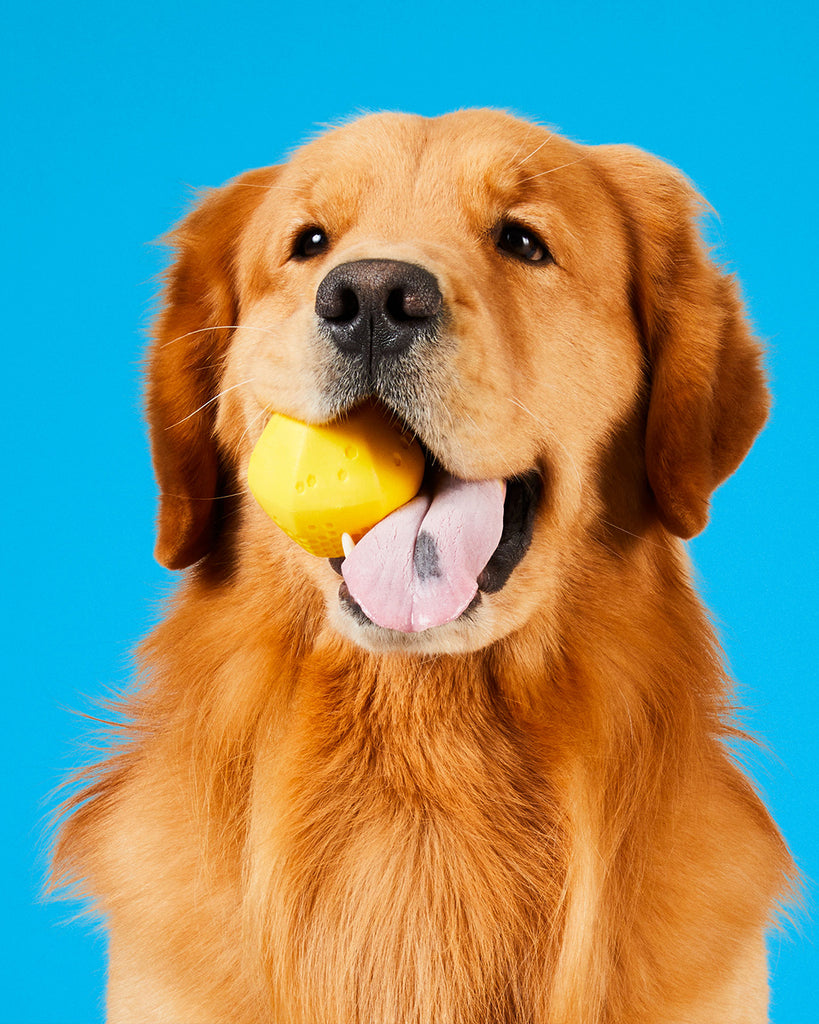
[186, 361]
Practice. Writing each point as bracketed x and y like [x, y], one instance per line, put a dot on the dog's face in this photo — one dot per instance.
[537, 312]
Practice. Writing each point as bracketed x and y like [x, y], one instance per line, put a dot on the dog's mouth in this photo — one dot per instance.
[429, 562]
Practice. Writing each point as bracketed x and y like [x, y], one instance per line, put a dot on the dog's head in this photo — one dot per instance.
[535, 311]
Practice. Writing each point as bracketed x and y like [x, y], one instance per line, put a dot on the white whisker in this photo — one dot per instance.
[554, 437]
[210, 401]
[199, 330]
[248, 428]
[278, 188]
[520, 147]
[637, 536]
[558, 168]
[217, 327]
[537, 150]
[216, 497]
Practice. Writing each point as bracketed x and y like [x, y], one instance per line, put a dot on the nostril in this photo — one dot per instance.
[348, 305]
[417, 301]
[395, 306]
[338, 304]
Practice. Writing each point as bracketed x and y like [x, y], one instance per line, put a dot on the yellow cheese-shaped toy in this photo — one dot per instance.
[318, 482]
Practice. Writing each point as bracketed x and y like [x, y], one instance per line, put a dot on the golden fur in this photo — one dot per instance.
[528, 815]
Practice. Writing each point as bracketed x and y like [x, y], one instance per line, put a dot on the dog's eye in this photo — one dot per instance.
[311, 242]
[522, 242]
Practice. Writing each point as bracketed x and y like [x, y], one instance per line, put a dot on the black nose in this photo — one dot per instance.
[378, 308]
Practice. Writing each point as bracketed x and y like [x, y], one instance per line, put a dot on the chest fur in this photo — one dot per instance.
[409, 870]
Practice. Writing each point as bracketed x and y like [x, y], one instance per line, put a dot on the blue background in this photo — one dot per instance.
[114, 111]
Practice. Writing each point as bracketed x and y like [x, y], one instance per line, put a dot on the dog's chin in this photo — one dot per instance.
[473, 630]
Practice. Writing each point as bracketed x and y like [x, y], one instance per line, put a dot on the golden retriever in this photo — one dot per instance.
[524, 812]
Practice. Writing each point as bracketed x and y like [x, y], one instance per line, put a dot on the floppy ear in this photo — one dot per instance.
[185, 363]
[708, 396]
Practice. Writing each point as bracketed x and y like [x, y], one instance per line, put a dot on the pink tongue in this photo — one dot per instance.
[419, 567]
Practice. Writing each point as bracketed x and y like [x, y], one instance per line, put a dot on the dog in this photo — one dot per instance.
[526, 811]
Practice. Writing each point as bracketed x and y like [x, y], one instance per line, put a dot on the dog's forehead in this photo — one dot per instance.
[478, 155]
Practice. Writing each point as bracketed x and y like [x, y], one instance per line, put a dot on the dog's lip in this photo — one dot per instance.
[523, 495]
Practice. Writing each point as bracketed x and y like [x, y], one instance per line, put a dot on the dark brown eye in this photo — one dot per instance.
[522, 242]
[311, 242]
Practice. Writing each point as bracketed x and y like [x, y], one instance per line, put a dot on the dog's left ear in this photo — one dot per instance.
[185, 362]
[708, 397]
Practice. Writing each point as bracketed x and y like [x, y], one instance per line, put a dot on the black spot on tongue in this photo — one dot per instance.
[425, 560]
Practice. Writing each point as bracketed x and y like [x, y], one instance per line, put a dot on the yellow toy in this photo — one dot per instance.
[319, 482]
